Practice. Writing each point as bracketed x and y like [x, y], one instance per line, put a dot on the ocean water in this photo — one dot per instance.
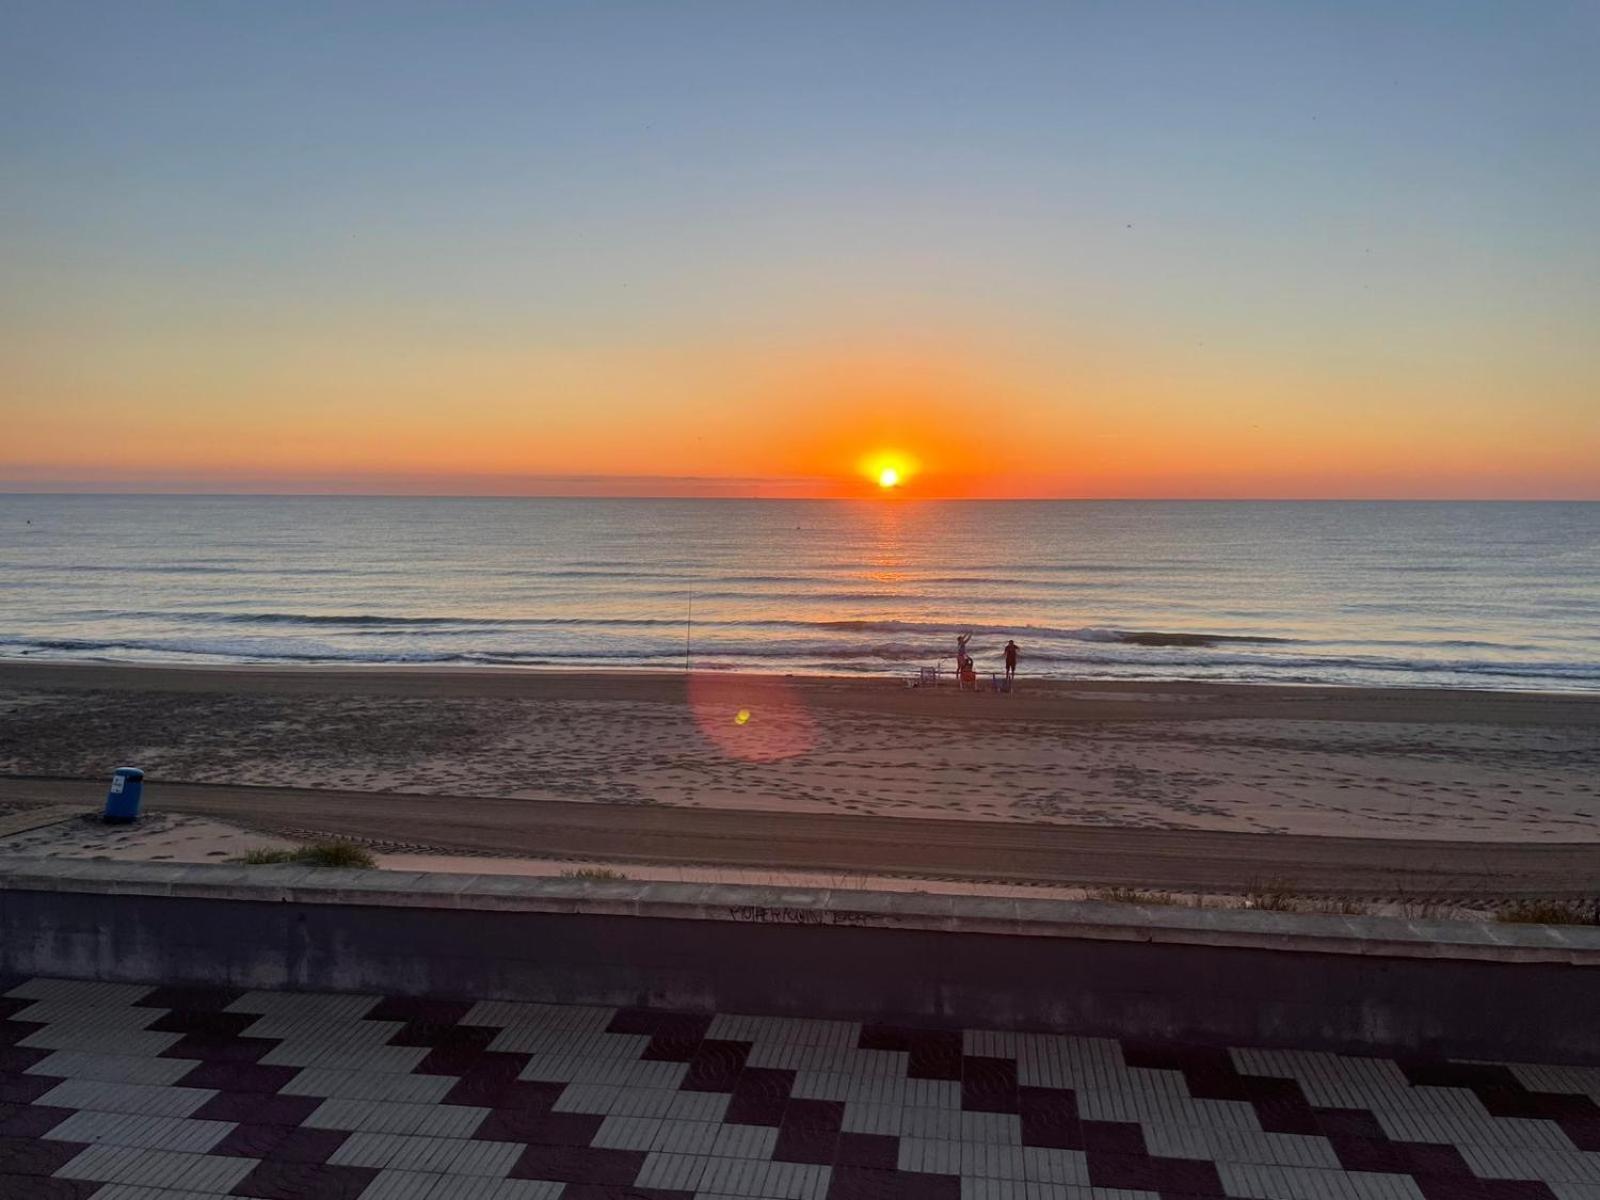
[1492, 595]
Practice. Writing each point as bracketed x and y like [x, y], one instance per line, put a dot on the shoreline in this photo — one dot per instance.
[896, 677]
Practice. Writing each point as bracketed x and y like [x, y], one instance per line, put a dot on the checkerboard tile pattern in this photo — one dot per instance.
[121, 1092]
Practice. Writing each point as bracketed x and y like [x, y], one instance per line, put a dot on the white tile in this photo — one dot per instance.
[587, 1098]
[685, 1137]
[745, 1141]
[627, 1133]
[642, 1102]
[400, 1185]
[134, 1191]
[370, 1085]
[163, 1168]
[80, 991]
[1004, 1129]
[459, 1187]
[100, 1096]
[113, 1068]
[680, 1171]
[1041, 1164]
[139, 1042]
[989, 1161]
[152, 1133]
[699, 1106]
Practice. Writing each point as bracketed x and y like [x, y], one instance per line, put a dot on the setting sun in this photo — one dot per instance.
[888, 477]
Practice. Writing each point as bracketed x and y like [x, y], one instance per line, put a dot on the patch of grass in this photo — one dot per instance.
[592, 873]
[1342, 906]
[1128, 895]
[1416, 908]
[1550, 912]
[318, 854]
[267, 858]
[1271, 895]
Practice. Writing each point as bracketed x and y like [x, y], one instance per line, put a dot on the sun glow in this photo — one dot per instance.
[888, 470]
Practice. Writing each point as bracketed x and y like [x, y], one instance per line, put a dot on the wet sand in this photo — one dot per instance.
[1348, 762]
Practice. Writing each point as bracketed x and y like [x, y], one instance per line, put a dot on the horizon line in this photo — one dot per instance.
[873, 497]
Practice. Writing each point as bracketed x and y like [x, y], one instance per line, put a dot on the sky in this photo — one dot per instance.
[1059, 249]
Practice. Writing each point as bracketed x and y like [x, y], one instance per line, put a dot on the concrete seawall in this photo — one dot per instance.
[1216, 976]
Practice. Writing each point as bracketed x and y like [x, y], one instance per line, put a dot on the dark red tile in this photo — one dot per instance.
[660, 1023]
[1367, 1154]
[933, 1053]
[669, 1048]
[1582, 1132]
[220, 1048]
[281, 1143]
[989, 1085]
[1114, 1137]
[258, 1109]
[202, 1021]
[868, 1150]
[1282, 1108]
[876, 1036]
[442, 1036]
[30, 1120]
[802, 1145]
[1545, 1106]
[15, 1060]
[492, 1092]
[305, 1181]
[716, 1066]
[577, 1164]
[416, 1008]
[862, 1183]
[1443, 1073]
[24, 1089]
[191, 999]
[760, 1097]
[1429, 1158]
[27, 1156]
[33, 1187]
[825, 1116]
[1049, 1118]
[640, 1021]
[471, 1060]
[239, 1077]
[1348, 1122]
[1180, 1176]
[538, 1128]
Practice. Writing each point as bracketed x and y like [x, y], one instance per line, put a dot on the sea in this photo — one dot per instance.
[1482, 595]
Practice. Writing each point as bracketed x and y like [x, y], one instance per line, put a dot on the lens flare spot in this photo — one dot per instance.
[742, 717]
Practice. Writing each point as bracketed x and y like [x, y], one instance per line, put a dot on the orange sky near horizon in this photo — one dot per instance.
[964, 416]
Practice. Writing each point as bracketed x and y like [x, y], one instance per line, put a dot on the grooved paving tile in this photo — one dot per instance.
[132, 1093]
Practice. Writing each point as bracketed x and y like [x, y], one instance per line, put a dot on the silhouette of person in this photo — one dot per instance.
[1011, 660]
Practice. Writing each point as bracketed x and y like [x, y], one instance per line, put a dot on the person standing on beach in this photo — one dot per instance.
[1011, 660]
[961, 652]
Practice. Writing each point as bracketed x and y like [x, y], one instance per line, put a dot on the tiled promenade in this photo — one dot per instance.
[122, 1092]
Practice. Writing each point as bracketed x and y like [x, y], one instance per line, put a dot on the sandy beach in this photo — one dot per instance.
[1355, 763]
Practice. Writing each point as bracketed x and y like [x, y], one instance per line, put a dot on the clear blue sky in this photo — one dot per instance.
[1212, 206]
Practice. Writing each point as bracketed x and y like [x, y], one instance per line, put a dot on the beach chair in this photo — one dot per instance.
[928, 677]
[968, 680]
[1001, 683]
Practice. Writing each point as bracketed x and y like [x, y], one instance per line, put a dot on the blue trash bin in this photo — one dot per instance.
[122, 801]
